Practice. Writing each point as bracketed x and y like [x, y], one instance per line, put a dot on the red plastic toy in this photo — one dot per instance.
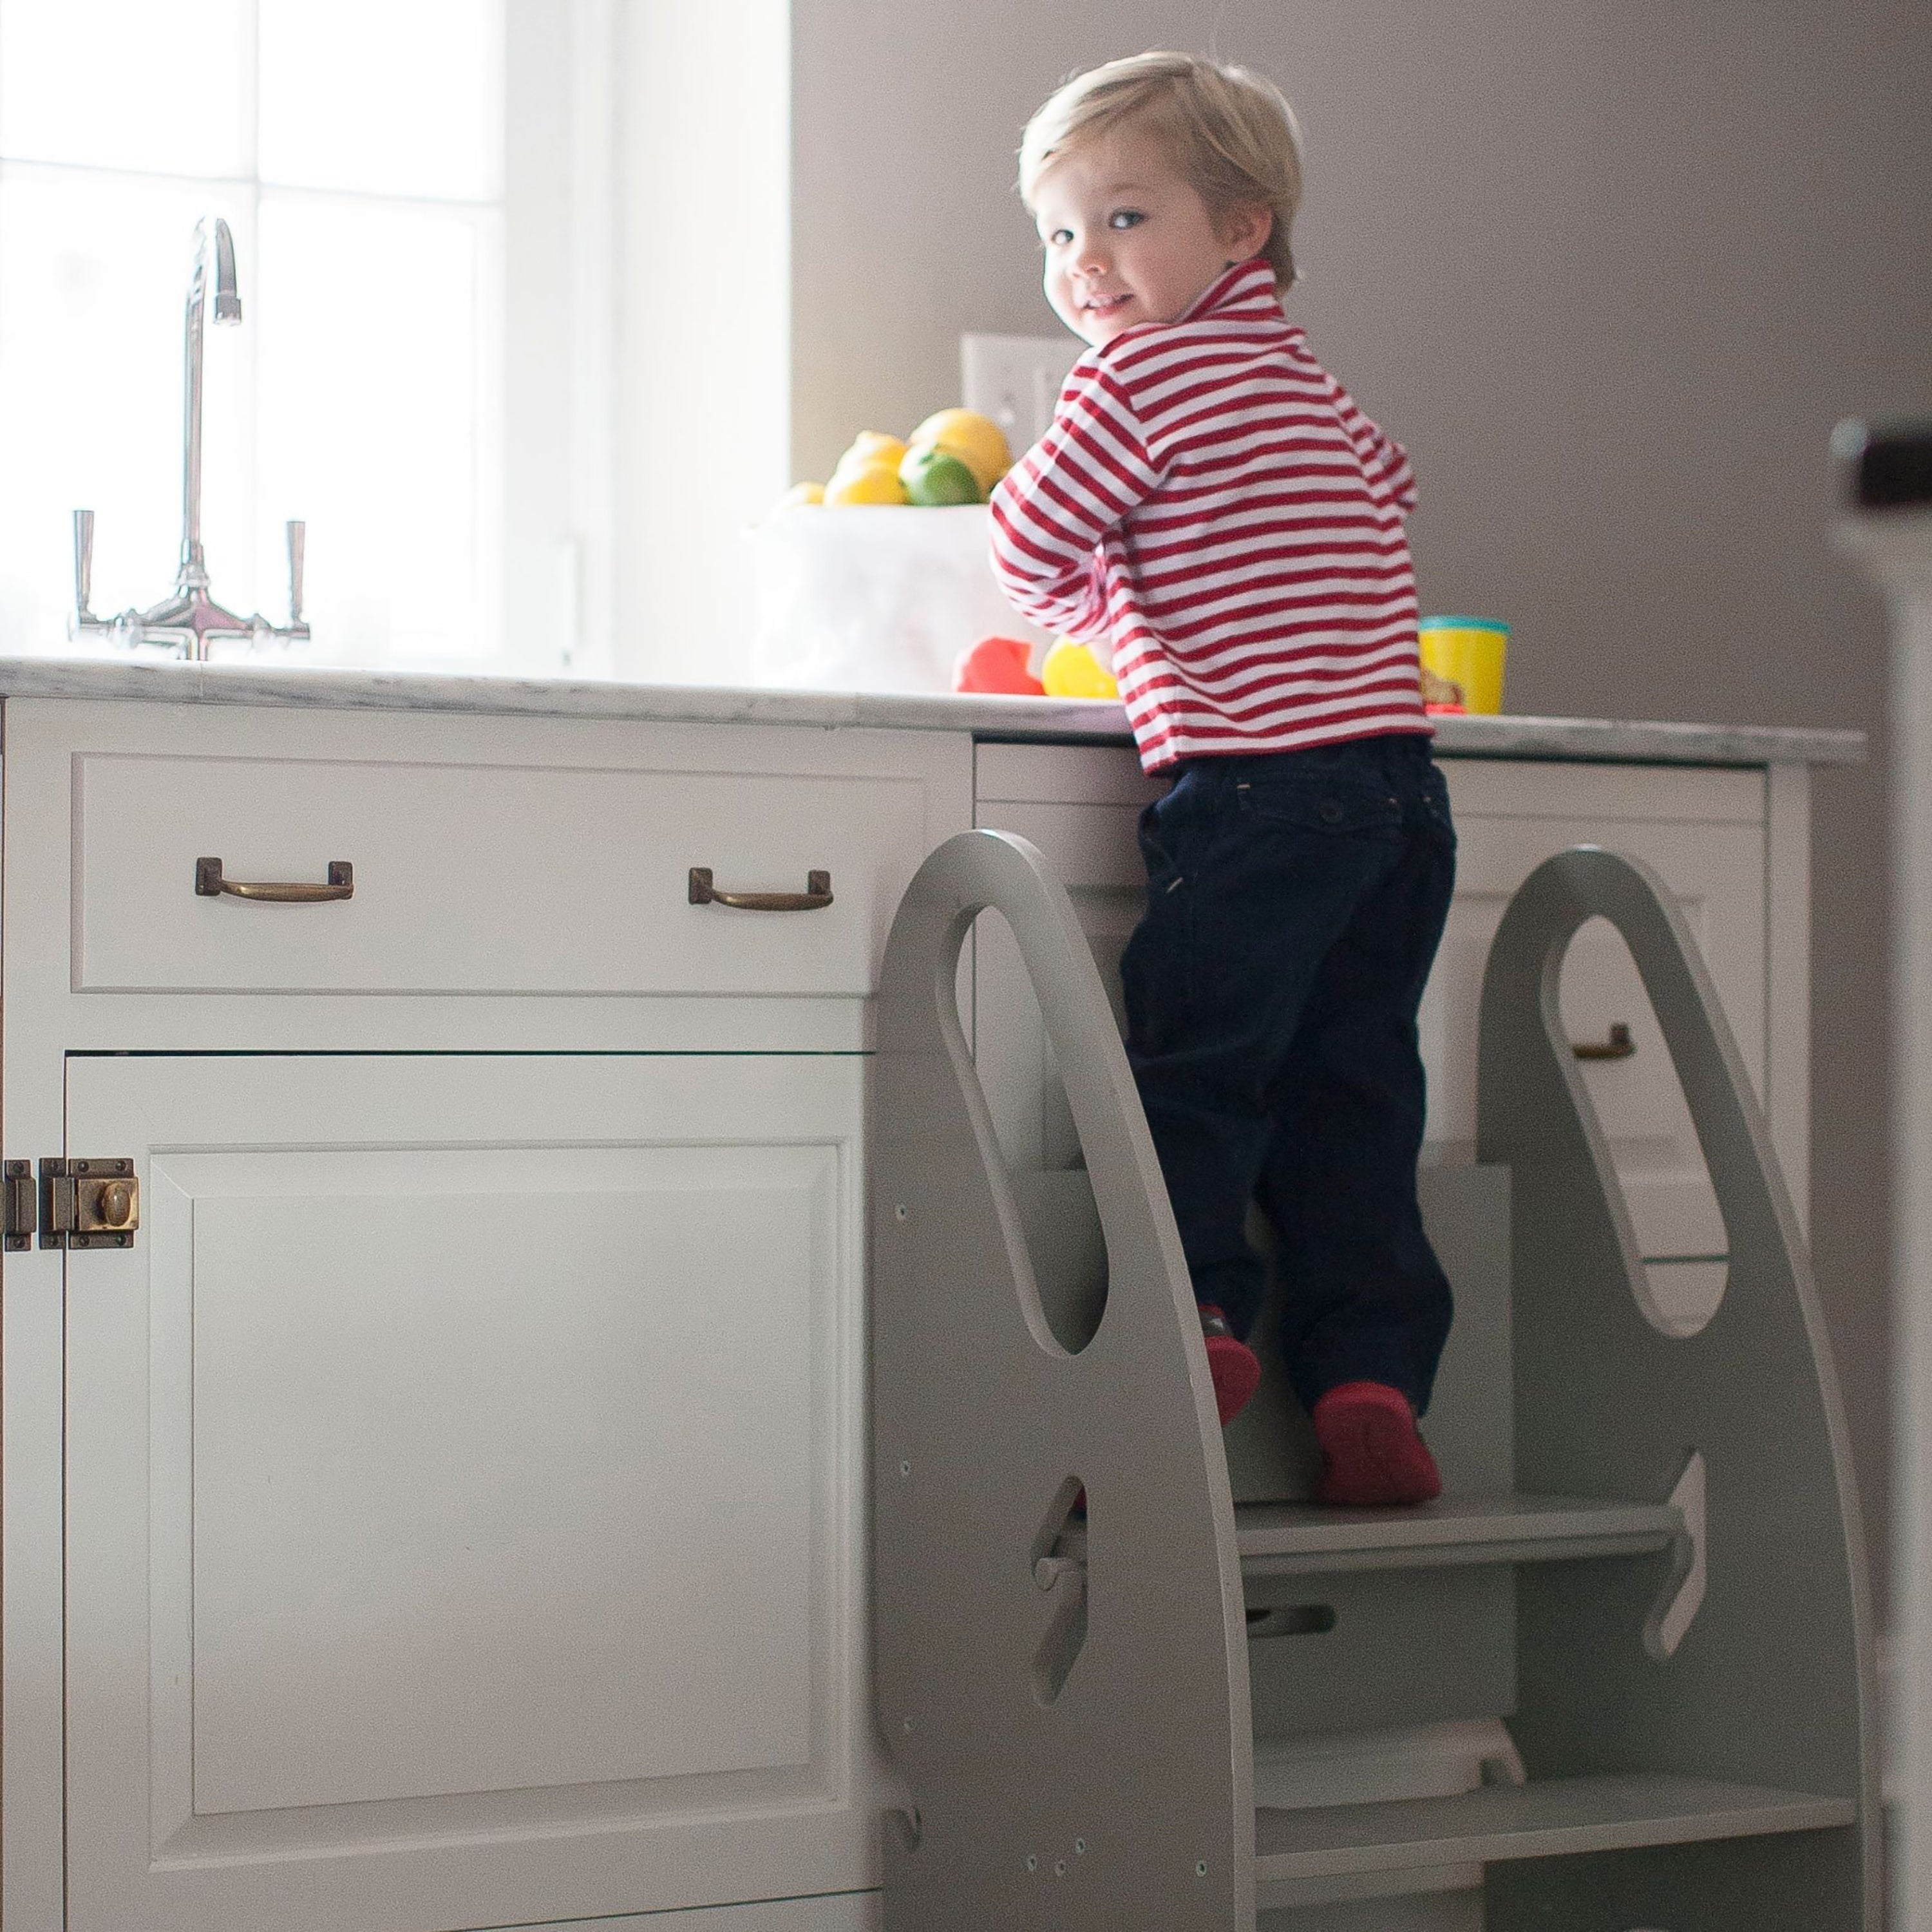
[997, 664]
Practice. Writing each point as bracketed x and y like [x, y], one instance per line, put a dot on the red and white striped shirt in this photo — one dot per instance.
[1213, 501]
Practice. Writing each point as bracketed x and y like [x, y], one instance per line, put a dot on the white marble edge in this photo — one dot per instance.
[1039, 719]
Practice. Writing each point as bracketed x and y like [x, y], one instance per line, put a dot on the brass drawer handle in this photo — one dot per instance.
[1618, 1046]
[818, 892]
[209, 884]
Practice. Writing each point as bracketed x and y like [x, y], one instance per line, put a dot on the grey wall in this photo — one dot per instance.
[1611, 271]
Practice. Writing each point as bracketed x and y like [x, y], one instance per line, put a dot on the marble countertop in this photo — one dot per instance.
[1044, 720]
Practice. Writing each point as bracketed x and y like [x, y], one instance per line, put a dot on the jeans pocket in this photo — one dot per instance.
[1342, 803]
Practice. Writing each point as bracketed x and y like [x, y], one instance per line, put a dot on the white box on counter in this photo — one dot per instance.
[874, 597]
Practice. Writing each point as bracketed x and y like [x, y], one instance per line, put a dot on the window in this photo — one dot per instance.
[415, 188]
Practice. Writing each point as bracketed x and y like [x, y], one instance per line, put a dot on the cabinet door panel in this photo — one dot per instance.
[411, 1443]
[461, 1480]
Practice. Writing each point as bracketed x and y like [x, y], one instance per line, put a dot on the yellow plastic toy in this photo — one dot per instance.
[1072, 671]
[1466, 653]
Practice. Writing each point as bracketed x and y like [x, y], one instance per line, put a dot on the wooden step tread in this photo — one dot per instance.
[1285, 1539]
[1550, 1819]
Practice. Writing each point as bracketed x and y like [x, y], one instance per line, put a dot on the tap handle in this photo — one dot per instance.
[297, 546]
[83, 561]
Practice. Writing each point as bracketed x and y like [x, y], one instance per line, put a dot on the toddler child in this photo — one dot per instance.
[1211, 502]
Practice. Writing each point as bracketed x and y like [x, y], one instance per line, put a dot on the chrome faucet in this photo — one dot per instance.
[190, 618]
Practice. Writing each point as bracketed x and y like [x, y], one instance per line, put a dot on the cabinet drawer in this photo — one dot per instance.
[472, 878]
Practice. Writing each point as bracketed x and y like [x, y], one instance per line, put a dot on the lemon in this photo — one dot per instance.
[868, 483]
[802, 495]
[1072, 671]
[871, 446]
[977, 440]
[934, 476]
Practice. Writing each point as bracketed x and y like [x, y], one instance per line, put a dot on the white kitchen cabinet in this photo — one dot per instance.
[449, 1511]
[1731, 843]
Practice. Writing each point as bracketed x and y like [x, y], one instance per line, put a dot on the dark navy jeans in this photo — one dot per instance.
[1294, 903]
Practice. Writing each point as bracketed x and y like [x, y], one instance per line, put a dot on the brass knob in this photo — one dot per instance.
[115, 1203]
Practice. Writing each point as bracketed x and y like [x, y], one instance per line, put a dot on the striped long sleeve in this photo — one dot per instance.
[1214, 503]
[1055, 508]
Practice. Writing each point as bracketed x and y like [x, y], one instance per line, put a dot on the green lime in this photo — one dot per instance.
[936, 477]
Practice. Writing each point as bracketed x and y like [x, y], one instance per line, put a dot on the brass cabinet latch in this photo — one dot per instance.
[19, 1204]
[87, 1203]
[73, 1203]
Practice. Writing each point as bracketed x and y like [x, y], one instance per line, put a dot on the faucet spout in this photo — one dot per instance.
[210, 231]
[227, 301]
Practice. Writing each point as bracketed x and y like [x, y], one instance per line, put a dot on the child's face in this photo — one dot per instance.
[1127, 239]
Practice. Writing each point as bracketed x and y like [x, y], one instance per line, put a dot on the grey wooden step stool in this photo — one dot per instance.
[1646, 1557]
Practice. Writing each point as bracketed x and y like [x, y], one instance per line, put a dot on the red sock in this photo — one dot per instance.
[1371, 1452]
[1235, 1367]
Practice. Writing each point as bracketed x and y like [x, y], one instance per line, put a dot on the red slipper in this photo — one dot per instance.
[1235, 1367]
[1371, 1451]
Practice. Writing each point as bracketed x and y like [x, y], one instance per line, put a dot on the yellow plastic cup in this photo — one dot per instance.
[1468, 653]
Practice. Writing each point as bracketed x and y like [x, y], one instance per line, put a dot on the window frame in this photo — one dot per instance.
[544, 474]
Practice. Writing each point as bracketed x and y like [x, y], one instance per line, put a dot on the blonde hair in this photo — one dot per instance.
[1230, 132]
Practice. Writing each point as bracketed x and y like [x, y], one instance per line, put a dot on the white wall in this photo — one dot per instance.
[702, 428]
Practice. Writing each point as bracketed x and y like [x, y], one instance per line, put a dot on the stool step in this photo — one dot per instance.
[1308, 1539]
[1312, 1539]
[1538, 1820]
